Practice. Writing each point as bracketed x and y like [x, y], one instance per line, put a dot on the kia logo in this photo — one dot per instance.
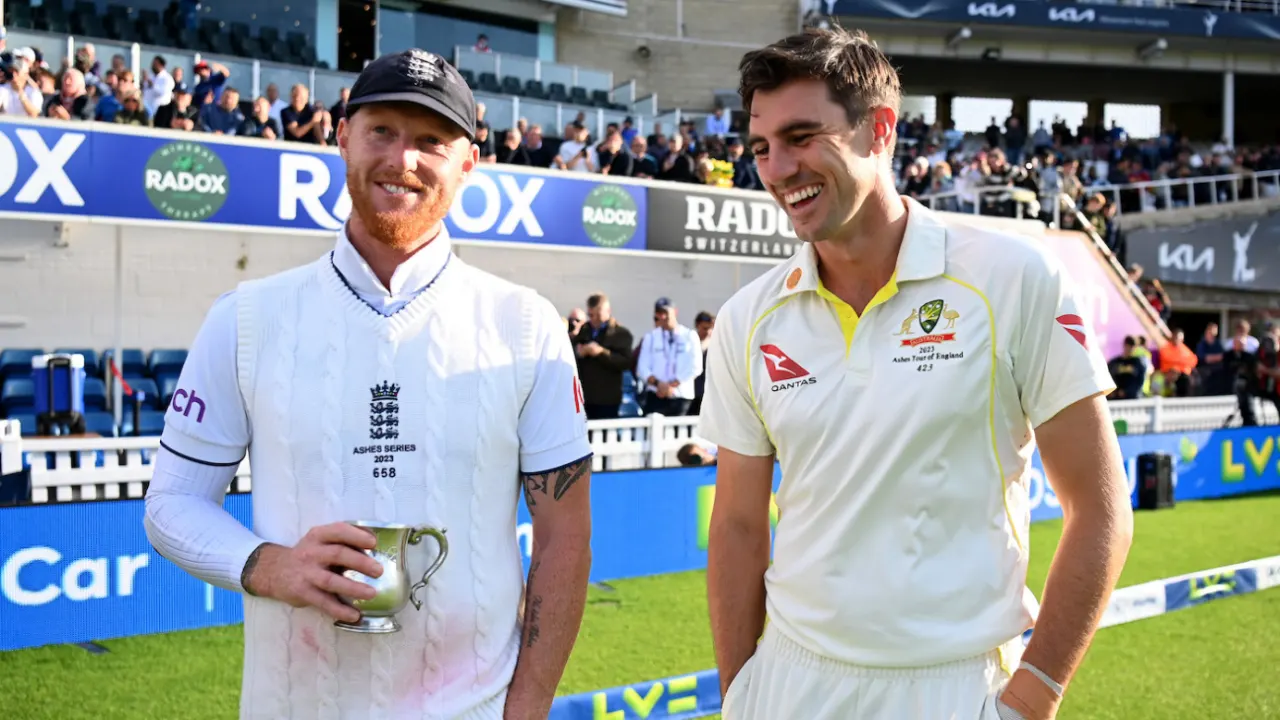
[992, 10]
[1070, 15]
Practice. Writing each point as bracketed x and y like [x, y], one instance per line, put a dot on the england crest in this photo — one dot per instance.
[930, 313]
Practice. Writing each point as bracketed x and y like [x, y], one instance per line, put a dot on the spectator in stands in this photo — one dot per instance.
[917, 180]
[678, 165]
[1093, 213]
[223, 117]
[1209, 367]
[539, 153]
[1177, 364]
[603, 347]
[942, 183]
[482, 44]
[512, 151]
[575, 154]
[260, 124]
[300, 120]
[274, 100]
[131, 110]
[629, 132]
[670, 360]
[717, 122]
[703, 324]
[643, 165]
[106, 106]
[212, 79]
[614, 159]
[1128, 372]
[71, 103]
[86, 62]
[485, 142]
[21, 95]
[157, 87]
[339, 109]
[181, 114]
[993, 134]
[745, 176]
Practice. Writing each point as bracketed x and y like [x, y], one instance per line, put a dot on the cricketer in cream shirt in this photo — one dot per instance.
[904, 437]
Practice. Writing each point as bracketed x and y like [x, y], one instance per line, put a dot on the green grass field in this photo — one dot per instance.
[1218, 660]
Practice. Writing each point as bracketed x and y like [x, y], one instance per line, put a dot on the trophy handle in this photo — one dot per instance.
[415, 537]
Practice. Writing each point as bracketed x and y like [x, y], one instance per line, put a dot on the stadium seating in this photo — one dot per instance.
[150, 423]
[153, 374]
[128, 24]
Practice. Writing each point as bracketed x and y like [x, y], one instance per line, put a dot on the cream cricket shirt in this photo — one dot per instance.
[905, 437]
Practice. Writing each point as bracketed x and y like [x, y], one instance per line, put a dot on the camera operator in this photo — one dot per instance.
[1246, 360]
[20, 95]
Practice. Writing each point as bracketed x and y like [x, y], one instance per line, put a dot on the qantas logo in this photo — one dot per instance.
[1074, 326]
[784, 372]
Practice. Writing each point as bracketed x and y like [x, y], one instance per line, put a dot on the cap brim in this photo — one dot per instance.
[418, 99]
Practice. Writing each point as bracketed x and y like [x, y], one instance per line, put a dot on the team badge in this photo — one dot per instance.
[930, 313]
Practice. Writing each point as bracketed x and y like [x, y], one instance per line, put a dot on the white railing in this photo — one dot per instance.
[1158, 195]
[82, 469]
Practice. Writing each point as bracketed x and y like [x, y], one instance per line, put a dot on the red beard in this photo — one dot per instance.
[400, 230]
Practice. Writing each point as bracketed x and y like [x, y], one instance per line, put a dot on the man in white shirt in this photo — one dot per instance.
[575, 154]
[669, 363]
[157, 89]
[21, 96]
[902, 370]
[387, 381]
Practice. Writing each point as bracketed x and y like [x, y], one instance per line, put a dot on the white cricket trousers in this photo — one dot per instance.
[783, 681]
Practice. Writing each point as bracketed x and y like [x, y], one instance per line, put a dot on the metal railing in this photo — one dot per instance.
[1221, 189]
[85, 469]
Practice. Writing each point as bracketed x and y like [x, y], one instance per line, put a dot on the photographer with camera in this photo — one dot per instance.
[1254, 366]
[20, 94]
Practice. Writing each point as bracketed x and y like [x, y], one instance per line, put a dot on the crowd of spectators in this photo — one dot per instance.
[1009, 171]
[82, 89]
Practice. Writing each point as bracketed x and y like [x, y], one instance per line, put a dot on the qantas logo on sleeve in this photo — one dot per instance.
[1074, 326]
[578, 400]
[784, 372]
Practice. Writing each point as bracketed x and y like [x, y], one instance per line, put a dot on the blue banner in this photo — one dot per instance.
[75, 171]
[79, 572]
[1114, 17]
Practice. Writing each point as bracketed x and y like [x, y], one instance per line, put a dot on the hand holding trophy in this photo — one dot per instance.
[391, 588]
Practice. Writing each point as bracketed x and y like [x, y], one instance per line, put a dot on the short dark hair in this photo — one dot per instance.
[597, 300]
[858, 75]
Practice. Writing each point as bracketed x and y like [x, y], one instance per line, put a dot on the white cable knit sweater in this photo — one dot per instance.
[311, 356]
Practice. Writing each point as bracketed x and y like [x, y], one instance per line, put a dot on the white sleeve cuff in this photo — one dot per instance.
[537, 463]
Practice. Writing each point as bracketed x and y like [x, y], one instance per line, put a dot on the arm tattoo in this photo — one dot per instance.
[534, 609]
[249, 565]
[556, 482]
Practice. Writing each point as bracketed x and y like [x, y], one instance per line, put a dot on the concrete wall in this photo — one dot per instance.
[687, 64]
[61, 292]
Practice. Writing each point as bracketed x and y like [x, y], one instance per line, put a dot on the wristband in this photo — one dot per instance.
[1055, 687]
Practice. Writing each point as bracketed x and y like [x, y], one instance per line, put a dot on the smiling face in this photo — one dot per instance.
[405, 164]
[818, 166]
[823, 110]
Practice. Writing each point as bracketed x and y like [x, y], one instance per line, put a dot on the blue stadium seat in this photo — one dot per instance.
[18, 394]
[28, 421]
[102, 423]
[168, 384]
[630, 408]
[150, 423]
[95, 394]
[151, 393]
[164, 362]
[91, 366]
[134, 363]
[16, 362]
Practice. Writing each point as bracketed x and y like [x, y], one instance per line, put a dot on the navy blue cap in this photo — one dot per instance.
[663, 303]
[420, 77]
[181, 88]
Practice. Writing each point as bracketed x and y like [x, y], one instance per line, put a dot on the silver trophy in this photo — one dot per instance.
[378, 614]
